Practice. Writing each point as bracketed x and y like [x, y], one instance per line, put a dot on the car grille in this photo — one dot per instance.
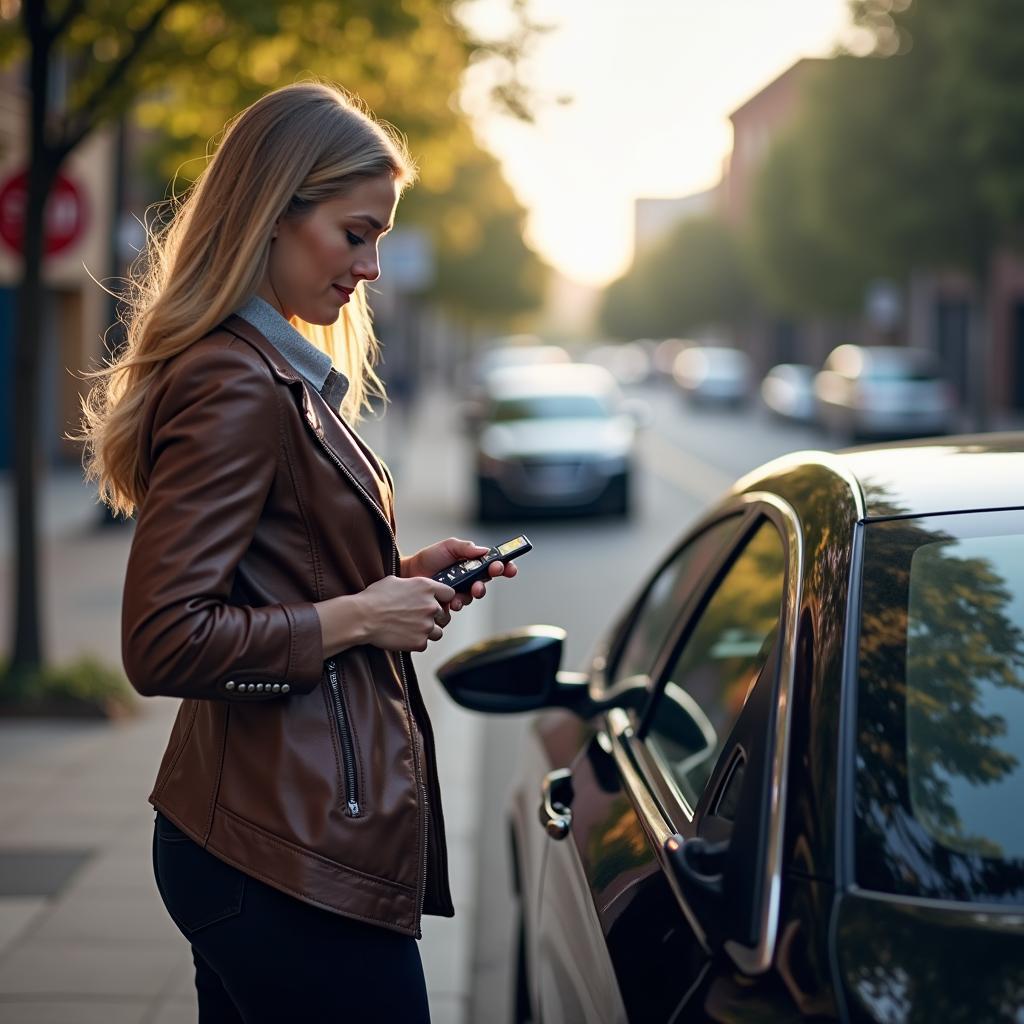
[546, 472]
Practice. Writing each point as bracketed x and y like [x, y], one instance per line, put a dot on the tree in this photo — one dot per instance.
[907, 159]
[694, 277]
[188, 64]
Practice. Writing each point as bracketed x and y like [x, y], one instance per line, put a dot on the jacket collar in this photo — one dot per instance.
[302, 354]
[340, 441]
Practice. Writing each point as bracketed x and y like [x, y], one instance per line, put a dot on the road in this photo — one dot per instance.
[580, 575]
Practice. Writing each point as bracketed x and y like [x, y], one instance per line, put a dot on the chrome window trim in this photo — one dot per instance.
[655, 820]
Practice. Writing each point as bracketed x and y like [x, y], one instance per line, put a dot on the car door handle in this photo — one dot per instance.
[556, 796]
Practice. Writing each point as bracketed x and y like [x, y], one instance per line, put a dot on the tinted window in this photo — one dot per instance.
[708, 682]
[940, 709]
[664, 599]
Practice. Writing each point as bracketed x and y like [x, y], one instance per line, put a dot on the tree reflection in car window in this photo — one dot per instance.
[711, 677]
[664, 600]
[940, 709]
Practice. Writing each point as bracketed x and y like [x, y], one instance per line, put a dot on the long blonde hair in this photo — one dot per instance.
[288, 151]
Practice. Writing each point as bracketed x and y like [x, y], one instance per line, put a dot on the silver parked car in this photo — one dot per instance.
[788, 391]
[555, 438]
[883, 391]
[713, 374]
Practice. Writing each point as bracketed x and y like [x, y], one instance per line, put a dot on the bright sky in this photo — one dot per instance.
[652, 82]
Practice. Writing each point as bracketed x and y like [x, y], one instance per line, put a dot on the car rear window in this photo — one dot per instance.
[940, 708]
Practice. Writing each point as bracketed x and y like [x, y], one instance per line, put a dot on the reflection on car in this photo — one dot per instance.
[787, 785]
[788, 391]
[555, 438]
[883, 391]
[709, 374]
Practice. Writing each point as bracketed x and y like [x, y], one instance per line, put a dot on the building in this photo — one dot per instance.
[755, 126]
[654, 218]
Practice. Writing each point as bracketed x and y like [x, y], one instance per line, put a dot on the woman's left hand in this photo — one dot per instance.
[439, 556]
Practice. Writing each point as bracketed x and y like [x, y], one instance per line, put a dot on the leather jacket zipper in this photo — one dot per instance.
[348, 751]
[420, 782]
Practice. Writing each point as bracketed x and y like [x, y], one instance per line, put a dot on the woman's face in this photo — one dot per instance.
[317, 259]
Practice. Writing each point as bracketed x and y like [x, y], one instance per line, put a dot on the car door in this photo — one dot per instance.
[616, 940]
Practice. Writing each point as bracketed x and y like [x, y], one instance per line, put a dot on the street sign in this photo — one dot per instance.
[64, 219]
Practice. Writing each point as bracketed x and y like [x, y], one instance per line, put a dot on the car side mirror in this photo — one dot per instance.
[515, 672]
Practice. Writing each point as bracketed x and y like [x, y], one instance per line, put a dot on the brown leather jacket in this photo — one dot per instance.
[318, 778]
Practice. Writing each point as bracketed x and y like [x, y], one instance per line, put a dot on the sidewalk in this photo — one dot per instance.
[83, 935]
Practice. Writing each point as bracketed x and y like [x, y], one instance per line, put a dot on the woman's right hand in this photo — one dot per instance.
[403, 614]
[394, 614]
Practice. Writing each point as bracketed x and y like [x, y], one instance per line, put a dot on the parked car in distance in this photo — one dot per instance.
[553, 439]
[785, 785]
[518, 350]
[709, 374]
[628, 362]
[788, 391]
[888, 391]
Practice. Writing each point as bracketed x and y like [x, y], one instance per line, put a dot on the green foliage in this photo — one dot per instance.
[695, 277]
[484, 269]
[205, 60]
[910, 158]
[85, 686]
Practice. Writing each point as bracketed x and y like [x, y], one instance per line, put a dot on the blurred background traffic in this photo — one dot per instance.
[649, 249]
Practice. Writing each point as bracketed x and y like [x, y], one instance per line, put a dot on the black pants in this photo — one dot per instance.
[263, 957]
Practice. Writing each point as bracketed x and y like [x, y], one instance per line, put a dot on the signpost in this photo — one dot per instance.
[65, 218]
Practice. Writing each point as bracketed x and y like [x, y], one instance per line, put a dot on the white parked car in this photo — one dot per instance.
[713, 374]
[883, 391]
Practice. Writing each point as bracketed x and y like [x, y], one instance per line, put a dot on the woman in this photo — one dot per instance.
[299, 836]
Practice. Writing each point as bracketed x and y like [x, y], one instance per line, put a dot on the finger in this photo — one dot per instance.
[456, 605]
[479, 589]
[464, 548]
[443, 617]
[436, 633]
[443, 594]
[510, 570]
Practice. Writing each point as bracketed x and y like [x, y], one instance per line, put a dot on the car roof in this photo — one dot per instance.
[967, 473]
[553, 379]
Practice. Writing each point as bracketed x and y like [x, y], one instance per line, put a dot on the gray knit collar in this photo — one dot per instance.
[304, 357]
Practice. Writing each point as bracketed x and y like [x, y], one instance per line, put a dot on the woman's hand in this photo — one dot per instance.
[394, 614]
[439, 556]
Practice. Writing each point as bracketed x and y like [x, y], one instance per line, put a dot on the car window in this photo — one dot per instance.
[707, 683]
[652, 625]
[940, 708]
[550, 407]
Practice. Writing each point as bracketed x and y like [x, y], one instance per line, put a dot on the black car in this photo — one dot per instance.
[789, 786]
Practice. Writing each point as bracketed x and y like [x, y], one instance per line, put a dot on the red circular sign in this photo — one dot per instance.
[63, 220]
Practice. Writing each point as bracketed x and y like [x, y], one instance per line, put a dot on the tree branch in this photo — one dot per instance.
[72, 11]
[86, 117]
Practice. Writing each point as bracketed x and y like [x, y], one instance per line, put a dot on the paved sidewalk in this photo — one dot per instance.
[83, 935]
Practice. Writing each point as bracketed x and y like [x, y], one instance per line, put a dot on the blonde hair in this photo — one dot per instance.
[291, 149]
